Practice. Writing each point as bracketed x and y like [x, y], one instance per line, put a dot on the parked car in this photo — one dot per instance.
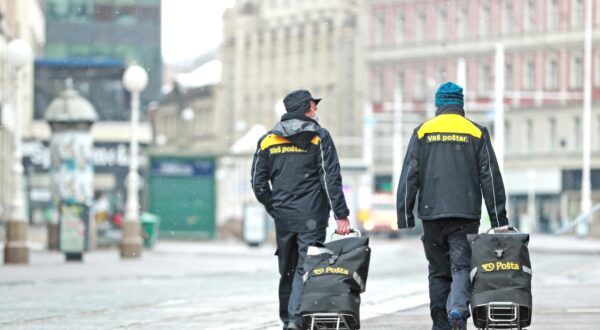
[381, 218]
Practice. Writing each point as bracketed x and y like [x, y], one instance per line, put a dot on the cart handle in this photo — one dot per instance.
[503, 229]
[353, 233]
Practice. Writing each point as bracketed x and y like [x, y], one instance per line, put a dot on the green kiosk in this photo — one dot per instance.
[182, 194]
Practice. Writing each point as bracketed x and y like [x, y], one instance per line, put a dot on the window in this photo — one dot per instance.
[508, 76]
[551, 73]
[484, 79]
[577, 133]
[462, 20]
[576, 71]
[552, 138]
[442, 75]
[598, 132]
[379, 28]
[378, 93]
[420, 84]
[420, 28]
[529, 15]
[529, 134]
[484, 19]
[399, 28]
[507, 21]
[552, 14]
[597, 9]
[400, 81]
[528, 75]
[442, 23]
[596, 71]
[507, 135]
[577, 13]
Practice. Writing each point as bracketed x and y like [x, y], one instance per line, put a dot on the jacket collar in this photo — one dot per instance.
[450, 109]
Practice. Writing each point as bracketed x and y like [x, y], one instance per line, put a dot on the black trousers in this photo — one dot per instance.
[291, 251]
[449, 256]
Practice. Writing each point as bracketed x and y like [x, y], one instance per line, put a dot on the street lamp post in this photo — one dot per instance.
[16, 251]
[586, 181]
[135, 80]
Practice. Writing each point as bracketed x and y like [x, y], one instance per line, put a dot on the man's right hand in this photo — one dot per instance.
[343, 226]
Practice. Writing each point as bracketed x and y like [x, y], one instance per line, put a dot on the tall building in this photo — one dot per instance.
[92, 43]
[24, 20]
[273, 47]
[270, 48]
[414, 46]
[128, 30]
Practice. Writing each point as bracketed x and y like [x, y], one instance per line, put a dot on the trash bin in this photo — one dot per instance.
[150, 226]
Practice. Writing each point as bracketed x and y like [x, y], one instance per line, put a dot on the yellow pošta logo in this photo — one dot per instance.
[285, 150]
[509, 265]
[331, 270]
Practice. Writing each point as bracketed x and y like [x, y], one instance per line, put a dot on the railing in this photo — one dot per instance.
[581, 218]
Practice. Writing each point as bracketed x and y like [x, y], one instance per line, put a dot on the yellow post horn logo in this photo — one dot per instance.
[488, 267]
[319, 271]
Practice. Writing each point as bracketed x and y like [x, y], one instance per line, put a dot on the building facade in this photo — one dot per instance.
[273, 47]
[185, 122]
[414, 46]
[122, 29]
[24, 20]
[92, 43]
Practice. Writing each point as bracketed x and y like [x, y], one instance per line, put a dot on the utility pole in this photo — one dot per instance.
[499, 106]
[586, 187]
[398, 142]
[461, 73]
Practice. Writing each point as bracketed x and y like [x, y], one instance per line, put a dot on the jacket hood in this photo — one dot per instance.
[297, 128]
[450, 109]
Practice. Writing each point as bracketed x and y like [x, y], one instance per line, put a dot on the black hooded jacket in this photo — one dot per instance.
[450, 162]
[299, 160]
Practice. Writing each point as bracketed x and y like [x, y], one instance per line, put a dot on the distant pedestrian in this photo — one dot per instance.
[296, 176]
[450, 162]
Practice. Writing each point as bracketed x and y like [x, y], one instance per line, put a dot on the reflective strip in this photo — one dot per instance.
[325, 180]
[254, 174]
[406, 197]
[527, 270]
[493, 187]
[317, 250]
[473, 272]
[359, 281]
[305, 277]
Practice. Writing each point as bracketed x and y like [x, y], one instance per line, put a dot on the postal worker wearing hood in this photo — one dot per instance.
[449, 164]
[296, 176]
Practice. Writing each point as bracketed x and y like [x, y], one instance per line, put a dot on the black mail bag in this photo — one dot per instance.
[336, 274]
[501, 277]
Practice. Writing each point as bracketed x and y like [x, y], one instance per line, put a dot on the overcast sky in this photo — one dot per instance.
[191, 27]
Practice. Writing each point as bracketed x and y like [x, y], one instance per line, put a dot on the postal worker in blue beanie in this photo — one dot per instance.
[450, 164]
[296, 176]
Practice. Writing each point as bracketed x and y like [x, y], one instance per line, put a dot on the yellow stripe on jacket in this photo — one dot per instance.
[274, 139]
[449, 123]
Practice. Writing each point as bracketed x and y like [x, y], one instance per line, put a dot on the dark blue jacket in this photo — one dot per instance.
[296, 174]
[449, 163]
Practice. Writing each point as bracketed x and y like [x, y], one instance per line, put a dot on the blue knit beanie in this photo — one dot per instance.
[449, 93]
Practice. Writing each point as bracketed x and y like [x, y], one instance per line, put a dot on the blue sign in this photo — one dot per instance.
[184, 167]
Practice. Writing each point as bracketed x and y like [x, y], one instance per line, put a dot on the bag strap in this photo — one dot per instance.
[336, 254]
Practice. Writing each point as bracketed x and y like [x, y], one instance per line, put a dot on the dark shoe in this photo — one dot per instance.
[457, 320]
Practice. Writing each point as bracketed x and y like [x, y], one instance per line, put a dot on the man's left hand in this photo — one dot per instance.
[343, 226]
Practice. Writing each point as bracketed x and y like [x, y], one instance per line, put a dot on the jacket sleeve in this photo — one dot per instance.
[409, 184]
[492, 186]
[260, 178]
[331, 179]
